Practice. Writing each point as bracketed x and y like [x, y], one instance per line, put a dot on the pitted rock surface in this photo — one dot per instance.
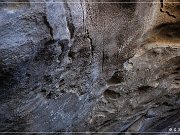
[89, 65]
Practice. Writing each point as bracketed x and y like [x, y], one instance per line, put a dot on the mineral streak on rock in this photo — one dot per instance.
[89, 65]
[56, 17]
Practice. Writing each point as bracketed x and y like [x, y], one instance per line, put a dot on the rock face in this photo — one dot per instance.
[86, 65]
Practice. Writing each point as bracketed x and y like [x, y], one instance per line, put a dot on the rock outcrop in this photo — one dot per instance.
[89, 66]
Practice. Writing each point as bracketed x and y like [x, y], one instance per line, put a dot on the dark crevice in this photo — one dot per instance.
[28, 74]
[65, 49]
[87, 36]
[44, 92]
[111, 94]
[48, 79]
[117, 78]
[7, 77]
[161, 10]
[177, 69]
[106, 124]
[48, 52]
[49, 95]
[161, 1]
[177, 79]
[62, 82]
[167, 104]
[48, 25]
[71, 54]
[175, 72]
[178, 7]
[162, 4]
[168, 13]
[103, 59]
[173, 110]
[71, 28]
[166, 31]
[144, 88]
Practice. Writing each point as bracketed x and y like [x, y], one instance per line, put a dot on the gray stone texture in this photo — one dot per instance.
[89, 65]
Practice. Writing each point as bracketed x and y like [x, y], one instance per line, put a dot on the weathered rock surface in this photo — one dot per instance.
[89, 65]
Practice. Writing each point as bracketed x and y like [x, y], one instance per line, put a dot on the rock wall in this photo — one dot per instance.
[89, 65]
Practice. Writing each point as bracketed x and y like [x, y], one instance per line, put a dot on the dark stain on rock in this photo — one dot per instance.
[144, 88]
[116, 78]
[111, 94]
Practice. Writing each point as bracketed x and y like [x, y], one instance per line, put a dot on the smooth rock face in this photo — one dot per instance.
[93, 65]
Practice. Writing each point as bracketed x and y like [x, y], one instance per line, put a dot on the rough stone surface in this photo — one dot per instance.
[93, 65]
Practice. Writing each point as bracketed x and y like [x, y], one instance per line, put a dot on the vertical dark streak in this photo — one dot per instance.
[103, 59]
[161, 1]
[70, 24]
[48, 25]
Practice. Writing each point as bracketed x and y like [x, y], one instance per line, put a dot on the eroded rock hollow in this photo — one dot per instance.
[89, 65]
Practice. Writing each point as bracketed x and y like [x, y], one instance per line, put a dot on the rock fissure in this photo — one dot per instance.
[86, 66]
